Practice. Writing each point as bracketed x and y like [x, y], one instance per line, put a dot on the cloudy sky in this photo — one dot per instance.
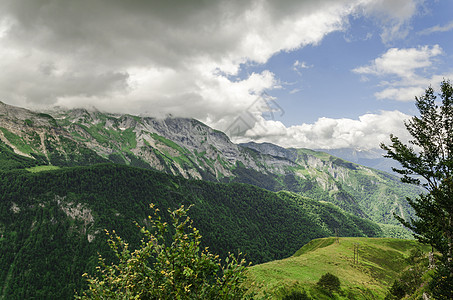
[299, 73]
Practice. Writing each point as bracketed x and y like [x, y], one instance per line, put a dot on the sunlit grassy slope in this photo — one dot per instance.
[380, 262]
[37, 169]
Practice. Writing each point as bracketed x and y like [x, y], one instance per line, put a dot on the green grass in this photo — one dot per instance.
[130, 138]
[381, 260]
[17, 141]
[318, 154]
[169, 143]
[181, 159]
[42, 168]
[94, 132]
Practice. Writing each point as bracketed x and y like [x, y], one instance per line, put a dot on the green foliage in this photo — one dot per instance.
[10, 160]
[412, 278]
[117, 158]
[430, 165]
[162, 269]
[43, 255]
[396, 231]
[67, 153]
[329, 282]
[84, 138]
[233, 217]
[17, 141]
[365, 193]
[49, 118]
[441, 284]
[397, 291]
[296, 295]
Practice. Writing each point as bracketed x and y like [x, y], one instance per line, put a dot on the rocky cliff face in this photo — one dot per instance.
[189, 148]
[180, 146]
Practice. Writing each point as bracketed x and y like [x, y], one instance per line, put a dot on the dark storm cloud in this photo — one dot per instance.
[123, 32]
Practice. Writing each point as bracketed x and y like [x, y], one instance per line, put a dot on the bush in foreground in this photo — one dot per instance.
[165, 268]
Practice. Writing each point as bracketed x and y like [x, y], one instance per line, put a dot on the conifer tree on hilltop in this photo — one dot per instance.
[428, 162]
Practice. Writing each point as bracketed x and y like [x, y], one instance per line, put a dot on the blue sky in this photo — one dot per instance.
[311, 73]
[326, 85]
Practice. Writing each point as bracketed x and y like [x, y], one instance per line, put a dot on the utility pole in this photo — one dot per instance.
[356, 253]
[337, 239]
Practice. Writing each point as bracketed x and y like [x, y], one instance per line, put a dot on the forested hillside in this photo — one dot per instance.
[52, 222]
[193, 150]
[66, 178]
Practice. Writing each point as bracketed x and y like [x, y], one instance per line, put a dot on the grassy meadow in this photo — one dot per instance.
[380, 261]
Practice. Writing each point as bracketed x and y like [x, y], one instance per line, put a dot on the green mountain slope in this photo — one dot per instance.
[9, 160]
[363, 191]
[380, 262]
[52, 222]
[191, 149]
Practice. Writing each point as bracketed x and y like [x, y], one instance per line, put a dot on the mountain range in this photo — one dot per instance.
[189, 148]
[68, 175]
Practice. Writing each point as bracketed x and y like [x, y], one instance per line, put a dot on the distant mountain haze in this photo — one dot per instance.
[373, 158]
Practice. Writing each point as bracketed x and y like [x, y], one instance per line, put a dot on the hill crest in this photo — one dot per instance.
[380, 262]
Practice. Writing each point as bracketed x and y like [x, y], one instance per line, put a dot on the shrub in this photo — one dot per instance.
[396, 292]
[167, 269]
[329, 282]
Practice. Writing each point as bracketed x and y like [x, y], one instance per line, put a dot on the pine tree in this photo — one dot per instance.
[428, 161]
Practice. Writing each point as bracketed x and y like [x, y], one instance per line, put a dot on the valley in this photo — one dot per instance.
[66, 176]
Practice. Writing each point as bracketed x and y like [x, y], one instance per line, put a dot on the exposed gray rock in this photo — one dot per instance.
[189, 148]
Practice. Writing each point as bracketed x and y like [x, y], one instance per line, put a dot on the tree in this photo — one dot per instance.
[329, 282]
[428, 162]
[167, 268]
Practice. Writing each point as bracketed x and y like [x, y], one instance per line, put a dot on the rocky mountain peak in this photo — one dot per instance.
[273, 150]
[189, 148]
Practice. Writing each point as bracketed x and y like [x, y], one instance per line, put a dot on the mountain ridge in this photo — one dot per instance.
[189, 148]
[68, 175]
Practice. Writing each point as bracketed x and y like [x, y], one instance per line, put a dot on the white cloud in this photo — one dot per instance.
[85, 39]
[151, 55]
[163, 57]
[407, 90]
[437, 28]
[401, 62]
[367, 132]
[404, 71]
[394, 15]
[401, 93]
[299, 65]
